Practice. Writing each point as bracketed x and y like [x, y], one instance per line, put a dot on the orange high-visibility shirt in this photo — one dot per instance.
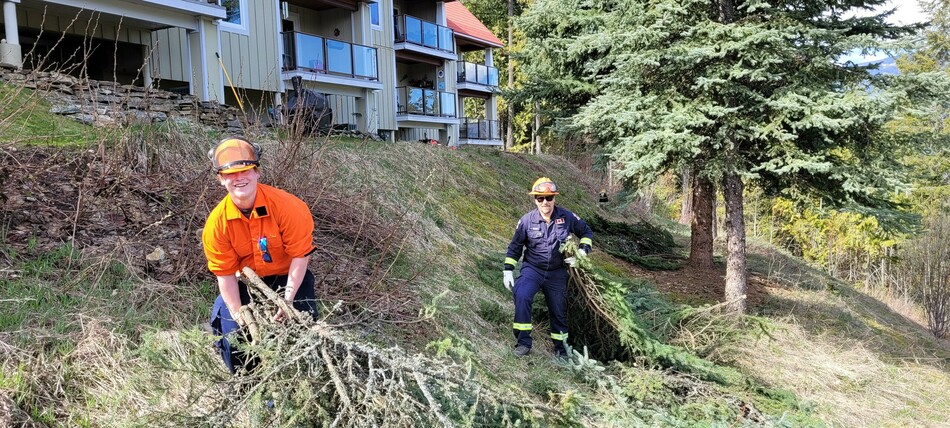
[231, 241]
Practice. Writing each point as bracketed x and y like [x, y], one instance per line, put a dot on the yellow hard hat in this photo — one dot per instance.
[543, 187]
[234, 154]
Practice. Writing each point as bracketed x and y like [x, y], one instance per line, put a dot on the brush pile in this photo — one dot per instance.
[640, 243]
[311, 375]
[603, 320]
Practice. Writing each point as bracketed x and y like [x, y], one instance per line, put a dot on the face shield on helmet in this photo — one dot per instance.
[543, 187]
[233, 155]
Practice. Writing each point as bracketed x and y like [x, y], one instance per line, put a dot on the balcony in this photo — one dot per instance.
[329, 61]
[480, 131]
[425, 105]
[477, 77]
[416, 37]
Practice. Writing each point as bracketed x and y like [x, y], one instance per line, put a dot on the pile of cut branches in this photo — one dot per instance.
[602, 319]
[641, 243]
[310, 375]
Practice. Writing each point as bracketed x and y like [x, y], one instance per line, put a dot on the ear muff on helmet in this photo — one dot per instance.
[234, 154]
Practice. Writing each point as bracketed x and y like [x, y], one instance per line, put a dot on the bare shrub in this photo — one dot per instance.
[925, 271]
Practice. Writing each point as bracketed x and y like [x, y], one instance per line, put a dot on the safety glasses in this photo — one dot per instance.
[545, 187]
[548, 198]
[266, 254]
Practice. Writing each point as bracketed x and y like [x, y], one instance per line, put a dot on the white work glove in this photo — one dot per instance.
[509, 280]
[572, 261]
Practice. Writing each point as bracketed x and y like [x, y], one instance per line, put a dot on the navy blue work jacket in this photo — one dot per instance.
[540, 242]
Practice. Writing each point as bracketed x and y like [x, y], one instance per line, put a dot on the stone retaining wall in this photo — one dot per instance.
[101, 103]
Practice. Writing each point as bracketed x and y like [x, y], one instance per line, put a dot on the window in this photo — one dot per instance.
[235, 16]
[374, 14]
[233, 8]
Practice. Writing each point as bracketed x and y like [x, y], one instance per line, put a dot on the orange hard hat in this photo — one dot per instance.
[234, 154]
[543, 187]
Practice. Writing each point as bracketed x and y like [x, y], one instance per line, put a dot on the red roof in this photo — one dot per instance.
[461, 20]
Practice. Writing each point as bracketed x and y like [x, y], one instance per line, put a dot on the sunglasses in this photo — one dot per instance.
[548, 198]
[263, 244]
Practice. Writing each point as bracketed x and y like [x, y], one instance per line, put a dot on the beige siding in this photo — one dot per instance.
[169, 58]
[344, 108]
[99, 28]
[385, 56]
[252, 60]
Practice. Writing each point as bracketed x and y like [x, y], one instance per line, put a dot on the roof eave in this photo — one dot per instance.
[478, 41]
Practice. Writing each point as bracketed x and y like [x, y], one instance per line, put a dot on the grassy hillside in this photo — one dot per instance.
[411, 239]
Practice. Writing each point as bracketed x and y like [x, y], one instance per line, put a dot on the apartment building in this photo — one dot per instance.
[112, 39]
[391, 67]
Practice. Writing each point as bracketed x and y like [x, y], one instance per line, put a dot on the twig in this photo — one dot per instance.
[433, 406]
[272, 295]
[340, 386]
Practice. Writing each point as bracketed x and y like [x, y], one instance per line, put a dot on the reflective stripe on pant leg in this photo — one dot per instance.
[526, 286]
[555, 295]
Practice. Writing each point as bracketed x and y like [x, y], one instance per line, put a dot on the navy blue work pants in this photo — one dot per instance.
[222, 323]
[553, 284]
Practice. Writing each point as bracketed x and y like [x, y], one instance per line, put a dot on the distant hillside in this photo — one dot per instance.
[885, 66]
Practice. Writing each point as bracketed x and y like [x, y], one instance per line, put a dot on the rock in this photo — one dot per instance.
[69, 109]
[136, 103]
[156, 256]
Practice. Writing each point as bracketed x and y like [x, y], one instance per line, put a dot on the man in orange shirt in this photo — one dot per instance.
[259, 226]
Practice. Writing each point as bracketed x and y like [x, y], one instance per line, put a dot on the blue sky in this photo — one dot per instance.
[908, 12]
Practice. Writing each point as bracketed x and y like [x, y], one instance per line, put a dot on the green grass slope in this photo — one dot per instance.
[82, 337]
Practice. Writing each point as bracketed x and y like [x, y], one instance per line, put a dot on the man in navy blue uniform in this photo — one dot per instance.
[539, 236]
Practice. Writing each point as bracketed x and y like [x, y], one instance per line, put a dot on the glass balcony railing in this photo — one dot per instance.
[424, 33]
[480, 74]
[479, 129]
[427, 102]
[304, 51]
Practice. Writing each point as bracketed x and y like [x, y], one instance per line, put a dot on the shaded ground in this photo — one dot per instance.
[704, 285]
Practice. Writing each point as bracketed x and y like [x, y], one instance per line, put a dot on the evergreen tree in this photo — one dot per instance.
[734, 90]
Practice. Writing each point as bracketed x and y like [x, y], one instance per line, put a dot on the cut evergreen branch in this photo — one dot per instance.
[311, 375]
[602, 319]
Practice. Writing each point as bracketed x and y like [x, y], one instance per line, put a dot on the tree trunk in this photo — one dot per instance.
[510, 132]
[736, 281]
[701, 242]
[715, 217]
[686, 211]
[537, 129]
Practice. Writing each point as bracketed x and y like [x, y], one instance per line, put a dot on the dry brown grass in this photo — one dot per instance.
[847, 375]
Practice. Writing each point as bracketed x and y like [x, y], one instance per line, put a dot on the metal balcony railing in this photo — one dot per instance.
[479, 129]
[480, 74]
[427, 102]
[424, 33]
[304, 51]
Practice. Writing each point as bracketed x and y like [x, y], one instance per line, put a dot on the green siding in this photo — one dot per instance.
[252, 60]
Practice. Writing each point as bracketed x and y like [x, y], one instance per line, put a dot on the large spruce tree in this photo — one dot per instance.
[732, 90]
